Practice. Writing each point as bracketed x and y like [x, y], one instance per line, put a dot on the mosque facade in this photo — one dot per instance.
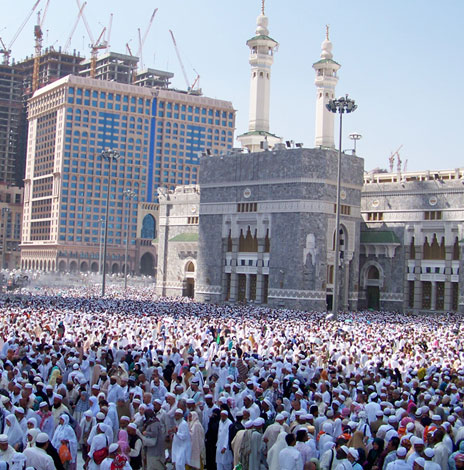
[260, 225]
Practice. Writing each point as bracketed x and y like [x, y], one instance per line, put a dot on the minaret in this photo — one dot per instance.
[326, 80]
[262, 48]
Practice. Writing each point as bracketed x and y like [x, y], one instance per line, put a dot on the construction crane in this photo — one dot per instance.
[144, 38]
[95, 46]
[110, 27]
[6, 50]
[68, 42]
[180, 61]
[38, 35]
[196, 81]
[391, 159]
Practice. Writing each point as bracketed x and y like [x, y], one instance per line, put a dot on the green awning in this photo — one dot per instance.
[185, 237]
[381, 237]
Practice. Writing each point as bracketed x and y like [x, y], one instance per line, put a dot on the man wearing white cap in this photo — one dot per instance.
[6, 451]
[224, 456]
[272, 431]
[400, 462]
[342, 459]
[36, 456]
[181, 444]
[429, 454]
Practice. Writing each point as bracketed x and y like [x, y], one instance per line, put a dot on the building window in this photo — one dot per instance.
[374, 216]
[192, 220]
[344, 209]
[432, 215]
[247, 207]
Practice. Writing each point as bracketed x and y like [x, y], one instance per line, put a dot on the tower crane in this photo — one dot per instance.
[391, 159]
[68, 42]
[38, 34]
[6, 50]
[180, 61]
[144, 38]
[110, 27]
[95, 46]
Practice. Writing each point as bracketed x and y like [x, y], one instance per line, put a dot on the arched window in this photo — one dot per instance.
[373, 273]
[148, 227]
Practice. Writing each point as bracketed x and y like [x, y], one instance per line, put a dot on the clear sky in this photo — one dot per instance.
[402, 61]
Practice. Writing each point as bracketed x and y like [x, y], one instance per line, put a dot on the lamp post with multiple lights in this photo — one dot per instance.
[111, 156]
[341, 105]
[355, 137]
[130, 195]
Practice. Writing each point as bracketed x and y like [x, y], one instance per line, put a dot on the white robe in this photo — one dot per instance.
[181, 446]
[225, 458]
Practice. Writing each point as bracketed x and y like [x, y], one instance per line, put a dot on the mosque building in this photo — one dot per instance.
[260, 225]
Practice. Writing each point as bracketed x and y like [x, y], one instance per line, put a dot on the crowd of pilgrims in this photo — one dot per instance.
[132, 381]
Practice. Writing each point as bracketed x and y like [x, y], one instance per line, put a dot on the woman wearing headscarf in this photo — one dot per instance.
[93, 404]
[357, 441]
[86, 425]
[197, 436]
[374, 454]
[31, 436]
[274, 451]
[82, 405]
[64, 434]
[211, 439]
[16, 437]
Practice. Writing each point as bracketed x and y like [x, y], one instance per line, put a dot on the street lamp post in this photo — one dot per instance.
[341, 105]
[111, 156]
[100, 252]
[355, 137]
[130, 195]
[5, 211]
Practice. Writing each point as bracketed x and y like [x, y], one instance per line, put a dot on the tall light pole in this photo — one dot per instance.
[130, 195]
[5, 211]
[341, 105]
[355, 137]
[111, 156]
[100, 252]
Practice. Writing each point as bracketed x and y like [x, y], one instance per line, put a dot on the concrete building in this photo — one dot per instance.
[411, 241]
[159, 134]
[11, 211]
[178, 241]
[266, 231]
[11, 115]
[267, 223]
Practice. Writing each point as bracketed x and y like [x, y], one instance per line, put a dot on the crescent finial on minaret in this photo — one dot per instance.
[327, 27]
[262, 7]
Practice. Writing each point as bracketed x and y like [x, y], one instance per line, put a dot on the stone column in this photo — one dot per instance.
[448, 271]
[233, 275]
[417, 282]
[433, 299]
[224, 275]
[247, 288]
[259, 272]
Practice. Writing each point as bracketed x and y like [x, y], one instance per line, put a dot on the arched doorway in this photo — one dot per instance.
[94, 267]
[372, 287]
[147, 264]
[62, 266]
[115, 268]
[84, 267]
[189, 282]
[73, 266]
